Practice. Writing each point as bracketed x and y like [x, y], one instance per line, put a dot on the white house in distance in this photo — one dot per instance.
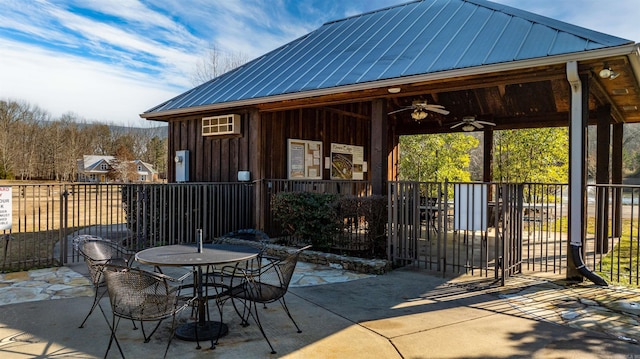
[94, 168]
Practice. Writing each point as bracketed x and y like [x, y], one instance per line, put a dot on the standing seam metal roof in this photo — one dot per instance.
[409, 39]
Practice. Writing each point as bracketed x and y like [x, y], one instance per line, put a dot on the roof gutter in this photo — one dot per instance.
[625, 50]
[577, 128]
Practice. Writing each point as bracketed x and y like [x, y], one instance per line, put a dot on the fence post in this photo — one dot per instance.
[64, 222]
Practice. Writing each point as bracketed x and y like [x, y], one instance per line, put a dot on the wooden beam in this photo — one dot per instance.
[378, 166]
[346, 113]
[601, 94]
[432, 87]
[616, 177]
[603, 143]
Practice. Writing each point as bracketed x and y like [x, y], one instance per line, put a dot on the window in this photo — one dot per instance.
[139, 168]
[104, 167]
[221, 125]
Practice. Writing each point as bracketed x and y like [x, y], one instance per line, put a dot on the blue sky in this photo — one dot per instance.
[110, 60]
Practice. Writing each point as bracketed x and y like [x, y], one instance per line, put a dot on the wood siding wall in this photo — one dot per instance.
[216, 159]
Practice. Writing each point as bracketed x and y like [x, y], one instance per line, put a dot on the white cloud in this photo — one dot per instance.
[60, 83]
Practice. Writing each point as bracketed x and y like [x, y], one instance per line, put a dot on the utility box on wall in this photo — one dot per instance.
[182, 166]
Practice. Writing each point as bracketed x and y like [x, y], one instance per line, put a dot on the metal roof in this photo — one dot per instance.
[415, 38]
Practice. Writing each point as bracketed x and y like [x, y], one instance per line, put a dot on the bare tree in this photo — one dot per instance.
[11, 114]
[215, 63]
[26, 136]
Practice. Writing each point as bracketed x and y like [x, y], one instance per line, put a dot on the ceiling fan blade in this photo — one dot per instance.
[476, 124]
[434, 106]
[486, 123]
[438, 110]
[400, 110]
[458, 124]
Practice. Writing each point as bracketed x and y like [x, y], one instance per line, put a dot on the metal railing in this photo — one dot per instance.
[427, 224]
[478, 228]
[612, 234]
[44, 216]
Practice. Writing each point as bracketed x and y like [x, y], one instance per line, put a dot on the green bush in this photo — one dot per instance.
[308, 216]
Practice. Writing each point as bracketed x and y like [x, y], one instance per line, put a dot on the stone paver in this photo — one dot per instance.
[63, 282]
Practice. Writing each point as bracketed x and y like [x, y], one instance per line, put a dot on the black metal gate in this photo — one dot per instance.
[457, 228]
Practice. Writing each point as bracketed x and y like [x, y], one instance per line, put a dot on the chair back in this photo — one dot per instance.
[138, 294]
[97, 252]
[277, 276]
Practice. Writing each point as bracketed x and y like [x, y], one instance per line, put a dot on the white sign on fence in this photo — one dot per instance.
[470, 207]
[5, 208]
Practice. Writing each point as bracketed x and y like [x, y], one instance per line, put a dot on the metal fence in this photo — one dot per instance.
[613, 238]
[44, 216]
[451, 227]
[478, 228]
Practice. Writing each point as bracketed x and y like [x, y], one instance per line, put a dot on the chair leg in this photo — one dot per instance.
[256, 317]
[114, 327]
[148, 338]
[173, 329]
[96, 299]
[286, 309]
[244, 316]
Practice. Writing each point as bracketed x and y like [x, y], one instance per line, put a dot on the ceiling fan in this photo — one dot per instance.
[469, 123]
[420, 109]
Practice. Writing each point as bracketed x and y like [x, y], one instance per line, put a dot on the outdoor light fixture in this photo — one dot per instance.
[393, 89]
[419, 114]
[607, 73]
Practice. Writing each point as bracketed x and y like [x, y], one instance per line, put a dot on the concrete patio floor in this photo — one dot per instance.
[406, 313]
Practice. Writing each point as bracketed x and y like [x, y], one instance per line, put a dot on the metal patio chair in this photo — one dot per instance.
[266, 284]
[97, 252]
[143, 296]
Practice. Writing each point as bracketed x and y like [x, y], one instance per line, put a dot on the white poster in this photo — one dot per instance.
[5, 208]
[470, 207]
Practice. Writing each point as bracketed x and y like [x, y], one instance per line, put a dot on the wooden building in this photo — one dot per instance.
[341, 86]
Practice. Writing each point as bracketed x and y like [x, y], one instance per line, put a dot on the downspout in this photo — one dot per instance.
[576, 165]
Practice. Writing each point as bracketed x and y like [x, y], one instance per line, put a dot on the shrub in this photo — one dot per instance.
[309, 216]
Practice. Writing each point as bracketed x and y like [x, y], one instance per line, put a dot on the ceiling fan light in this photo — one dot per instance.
[418, 115]
[468, 128]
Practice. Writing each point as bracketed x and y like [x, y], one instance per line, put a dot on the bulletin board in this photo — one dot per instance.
[304, 159]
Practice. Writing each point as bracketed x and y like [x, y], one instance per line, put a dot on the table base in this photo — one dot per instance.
[207, 331]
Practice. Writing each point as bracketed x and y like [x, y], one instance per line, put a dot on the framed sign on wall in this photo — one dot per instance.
[304, 159]
[347, 162]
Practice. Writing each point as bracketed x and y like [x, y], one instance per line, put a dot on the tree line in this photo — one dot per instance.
[536, 155]
[36, 146]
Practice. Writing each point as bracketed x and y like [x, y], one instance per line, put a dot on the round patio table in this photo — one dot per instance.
[182, 255]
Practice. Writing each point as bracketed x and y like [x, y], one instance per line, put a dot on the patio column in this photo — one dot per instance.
[378, 166]
[256, 167]
[616, 176]
[487, 165]
[603, 143]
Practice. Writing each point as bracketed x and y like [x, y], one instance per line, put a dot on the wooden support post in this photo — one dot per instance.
[602, 177]
[256, 167]
[616, 177]
[378, 166]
